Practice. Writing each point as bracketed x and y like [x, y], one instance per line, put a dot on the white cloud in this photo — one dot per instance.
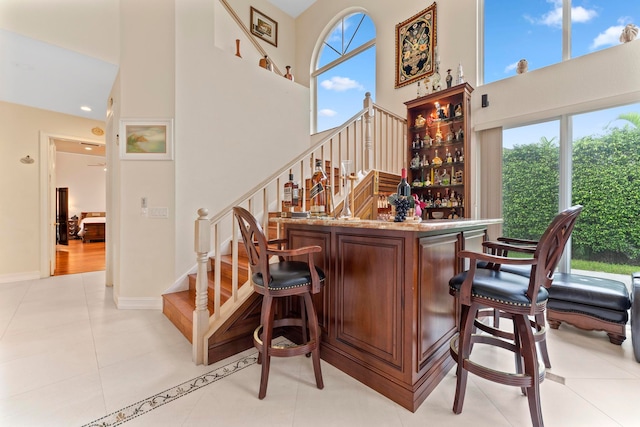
[580, 14]
[326, 112]
[553, 18]
[511, 67]
[341, 84]
[610, 37]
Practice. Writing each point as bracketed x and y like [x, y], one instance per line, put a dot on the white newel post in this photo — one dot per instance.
[201, 314]
[368, 139]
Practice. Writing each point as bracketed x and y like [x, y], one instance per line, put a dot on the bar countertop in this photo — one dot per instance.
[410, 225]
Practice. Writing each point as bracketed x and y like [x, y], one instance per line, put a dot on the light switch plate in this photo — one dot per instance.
[158, 212]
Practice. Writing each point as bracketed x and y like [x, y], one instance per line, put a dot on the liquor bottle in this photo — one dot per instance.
[437, 179]
[404, 189]
[456, 158]
[288, 193]
[461, 157]
[295, 195]
[448, 157]
[445, 178]
[437, 161]
[291, 194]
[416, 141]
[415, 162]
[317, 195]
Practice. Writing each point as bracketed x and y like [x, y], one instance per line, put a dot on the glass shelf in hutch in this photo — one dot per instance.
[438, 139]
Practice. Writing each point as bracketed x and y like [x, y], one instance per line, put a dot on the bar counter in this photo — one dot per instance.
[385, 311]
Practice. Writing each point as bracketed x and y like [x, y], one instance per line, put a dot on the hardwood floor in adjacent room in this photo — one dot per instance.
[79, 257]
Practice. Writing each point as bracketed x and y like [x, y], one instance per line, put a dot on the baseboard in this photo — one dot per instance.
[139, 303]
[182, 283]
[19, 277]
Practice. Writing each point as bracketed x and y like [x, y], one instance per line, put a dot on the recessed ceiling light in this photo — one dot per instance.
[85, 108]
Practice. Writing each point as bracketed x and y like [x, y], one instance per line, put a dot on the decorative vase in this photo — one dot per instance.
[266, 63]
[238, 48]
[629, 33]
[288, 74]
[522, 66]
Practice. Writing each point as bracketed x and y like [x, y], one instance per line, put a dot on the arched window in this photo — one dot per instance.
[345, 70]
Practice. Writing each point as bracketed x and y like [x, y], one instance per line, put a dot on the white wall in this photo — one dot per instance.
[147, 90]
[236, 123]
[86, 183]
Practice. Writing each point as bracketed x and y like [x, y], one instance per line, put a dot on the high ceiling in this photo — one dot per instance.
[293, 7]
[41, 75]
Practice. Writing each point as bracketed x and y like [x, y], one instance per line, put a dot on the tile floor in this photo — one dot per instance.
[68, 357]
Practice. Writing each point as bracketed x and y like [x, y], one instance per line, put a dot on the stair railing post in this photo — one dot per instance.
[368, 132]
[201, 313]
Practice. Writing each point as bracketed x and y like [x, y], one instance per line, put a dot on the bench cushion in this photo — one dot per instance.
[590, 291]
[613, 316]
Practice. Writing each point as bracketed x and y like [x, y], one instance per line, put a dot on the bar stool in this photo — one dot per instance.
[518, 297]
[284, 278]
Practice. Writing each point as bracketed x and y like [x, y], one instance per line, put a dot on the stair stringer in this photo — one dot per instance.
[232, 331]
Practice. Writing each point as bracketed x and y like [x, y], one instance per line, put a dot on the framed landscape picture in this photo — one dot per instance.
[415, 47]
[264, 27]
[146, 139]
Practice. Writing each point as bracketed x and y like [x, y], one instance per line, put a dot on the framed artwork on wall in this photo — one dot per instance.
[415, 47]
[264, 27]
[146, 139]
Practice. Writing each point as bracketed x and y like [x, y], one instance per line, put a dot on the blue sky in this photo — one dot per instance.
[516, 29]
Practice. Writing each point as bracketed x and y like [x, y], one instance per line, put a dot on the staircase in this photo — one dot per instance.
[237, 334]
[219, 311]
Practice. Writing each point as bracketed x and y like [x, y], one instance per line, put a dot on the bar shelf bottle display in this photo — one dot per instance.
[438, 139]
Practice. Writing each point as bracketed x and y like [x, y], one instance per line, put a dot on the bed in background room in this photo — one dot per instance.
[92, 226]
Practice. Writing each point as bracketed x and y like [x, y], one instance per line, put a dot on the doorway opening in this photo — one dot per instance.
[76, 185]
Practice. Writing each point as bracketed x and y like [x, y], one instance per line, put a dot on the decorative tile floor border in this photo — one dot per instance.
[145, 406]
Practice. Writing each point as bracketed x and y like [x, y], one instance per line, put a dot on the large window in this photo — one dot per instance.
[603, 171]
[534, 29]
[530, 179]
[345, 70]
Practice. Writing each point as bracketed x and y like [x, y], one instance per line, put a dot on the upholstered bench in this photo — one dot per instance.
[590, 303]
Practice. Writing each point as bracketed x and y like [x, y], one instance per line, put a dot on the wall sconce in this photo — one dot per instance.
[27, 160]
